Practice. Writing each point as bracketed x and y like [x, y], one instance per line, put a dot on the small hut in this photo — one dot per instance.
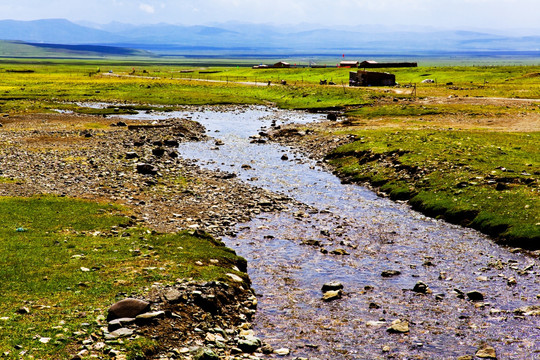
[373, 64]
[349, 64]
[369, 78]
[282, 64]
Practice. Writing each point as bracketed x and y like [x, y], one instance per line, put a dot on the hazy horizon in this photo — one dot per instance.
[513, 17]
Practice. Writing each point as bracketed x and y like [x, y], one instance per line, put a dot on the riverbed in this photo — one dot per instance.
[346, 233]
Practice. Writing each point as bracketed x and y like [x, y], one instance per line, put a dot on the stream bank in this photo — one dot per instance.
[476, 294]
[306, 229]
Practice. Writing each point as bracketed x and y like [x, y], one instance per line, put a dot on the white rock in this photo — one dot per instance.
[235, 277]
[282, 351]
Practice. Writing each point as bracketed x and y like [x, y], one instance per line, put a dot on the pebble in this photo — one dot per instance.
[390, 273]
[172, 295]
[420, 287]
[332, 285]
[282, 352]
[149, 316]
[235, 277]
[398, 326]
[119, 323]
[486, 352]
[120, 333]
[205, 354]
[332, 295]
[339, 252]
[475, 295]
[249, 343]
[44, 340]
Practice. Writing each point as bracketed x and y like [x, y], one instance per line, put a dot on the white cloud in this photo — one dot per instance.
[147, 8]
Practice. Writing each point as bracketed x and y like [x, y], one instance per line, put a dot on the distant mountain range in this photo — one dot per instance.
[166, 39]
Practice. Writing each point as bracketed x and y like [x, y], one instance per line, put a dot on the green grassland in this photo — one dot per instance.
[66, 261]
[55, 84]
[464, 171]
[21, 49]
[487, 180]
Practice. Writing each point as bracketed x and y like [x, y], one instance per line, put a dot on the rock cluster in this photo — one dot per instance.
[193, 320]
[134, 165]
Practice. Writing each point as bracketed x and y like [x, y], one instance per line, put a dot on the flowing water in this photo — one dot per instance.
[290, 256]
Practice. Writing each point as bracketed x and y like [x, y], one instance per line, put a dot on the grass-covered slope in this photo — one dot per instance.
[43, 50]
[487, 180]
[64, 261]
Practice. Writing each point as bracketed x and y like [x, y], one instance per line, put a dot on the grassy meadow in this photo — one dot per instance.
[470, 162]
[64, 261]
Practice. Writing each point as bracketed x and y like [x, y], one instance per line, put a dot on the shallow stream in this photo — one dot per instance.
[372, 234]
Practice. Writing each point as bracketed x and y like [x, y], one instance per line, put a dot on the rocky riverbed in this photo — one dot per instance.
[409, 287]
[135, 163]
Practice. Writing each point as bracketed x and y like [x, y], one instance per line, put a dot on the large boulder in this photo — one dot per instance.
[127, 308]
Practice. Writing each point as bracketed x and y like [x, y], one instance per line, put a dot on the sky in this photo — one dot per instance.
[470, 14]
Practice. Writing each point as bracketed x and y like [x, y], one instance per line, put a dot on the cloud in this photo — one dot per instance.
[147, 8]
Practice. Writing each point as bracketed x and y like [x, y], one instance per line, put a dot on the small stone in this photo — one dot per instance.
[386, 349]
[44, 340]
[398, 326]
[284, 157]
[375, 323]
[486, 352]
[131, 155]
[465, 357]
[171, 143]
[172, 295]
[249, 343]
[120, 333]
[149, 316]
[475, 295]
[235, 278]
[390, 273]
[332, 285]
[205, 354]
[99, 346]
[420, 287]
[267, 349]
[24, 310]
[210, 338]
[332, 295]
[146, 169]
[282, 352]
[159, 151]
[339, 252]
[119, 323]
